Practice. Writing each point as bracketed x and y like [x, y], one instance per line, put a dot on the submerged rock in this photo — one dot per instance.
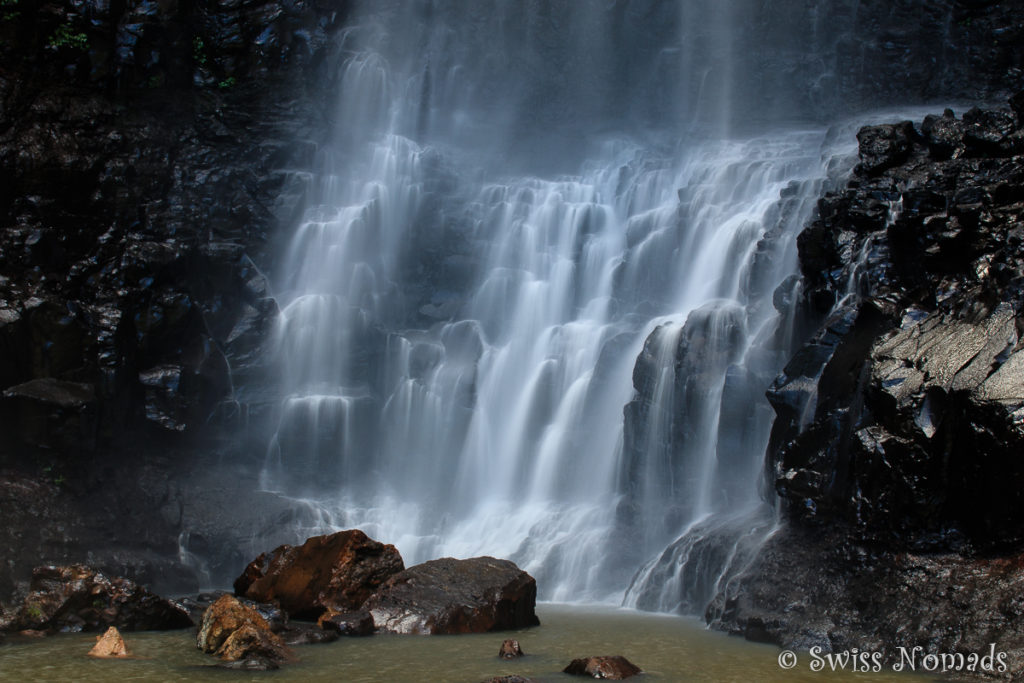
[510, 679]
[614, 668]
[358, 623]
[450, 596]
[79, 598]
[334, 572]
[308, 634]
[110, 644]
[510, 650]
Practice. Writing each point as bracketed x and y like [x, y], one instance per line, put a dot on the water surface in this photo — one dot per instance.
[667, 648]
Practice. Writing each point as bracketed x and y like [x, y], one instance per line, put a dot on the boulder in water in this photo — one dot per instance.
[110, 644]
[236, 633]
[334, 572]
[79, 598]
[449, 596]
[510, 679]
[615, 668]
[510, 650]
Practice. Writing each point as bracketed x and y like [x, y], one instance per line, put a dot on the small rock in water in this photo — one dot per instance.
[510, 679]
[613, 668]
[510, 650]
[110, 644]
[348, 623]
[251, 664]
[307, 634]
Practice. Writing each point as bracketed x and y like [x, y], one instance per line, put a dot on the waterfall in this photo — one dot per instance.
[531, 308]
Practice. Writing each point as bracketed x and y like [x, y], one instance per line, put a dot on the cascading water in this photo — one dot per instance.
[503, 248]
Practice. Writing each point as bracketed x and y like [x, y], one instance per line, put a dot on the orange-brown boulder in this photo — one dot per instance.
[252, 642]
[236, 632]
[110, 644]
[225, 616]
[334, 572]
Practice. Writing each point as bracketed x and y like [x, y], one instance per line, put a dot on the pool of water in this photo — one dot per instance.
[667, 648]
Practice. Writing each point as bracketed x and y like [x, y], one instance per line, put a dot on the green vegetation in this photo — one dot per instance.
[228, 82]
[34, 612]
[7, 11]
[67, 36]
[198, 51]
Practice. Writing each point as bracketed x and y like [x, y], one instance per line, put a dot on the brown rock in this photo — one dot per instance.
[456, 596]
[613, 668]
[225, 616]
[510, 679]
[337, 572]
[110, 644]
[510, 650]
[79, 598]
[249, 642]
[348, 623]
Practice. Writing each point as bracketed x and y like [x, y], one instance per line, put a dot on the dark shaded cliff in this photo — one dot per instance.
[141, 146]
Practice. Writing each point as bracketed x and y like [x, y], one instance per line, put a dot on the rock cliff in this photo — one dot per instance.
[895, 452]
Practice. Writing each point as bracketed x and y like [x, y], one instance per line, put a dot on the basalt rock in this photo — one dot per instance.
[615, 668]
[140, 146]
[336, 572]
[79, 598]
[901, 416]
[449, 596]
[895, 451]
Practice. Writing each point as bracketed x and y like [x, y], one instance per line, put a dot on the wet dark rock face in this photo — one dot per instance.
[896, 450]
[902, 417]
[141, 149]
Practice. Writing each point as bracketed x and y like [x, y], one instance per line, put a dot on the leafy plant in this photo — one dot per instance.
[67, 36]
[228, 82]
[34, 612]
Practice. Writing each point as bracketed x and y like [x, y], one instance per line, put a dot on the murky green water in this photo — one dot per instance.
[669, 649]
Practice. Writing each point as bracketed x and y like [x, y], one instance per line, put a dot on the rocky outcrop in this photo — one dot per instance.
[896, 447]
[337, 572]
[110, 644]
[79, 598]
[901, 416]
[449, 596]
[615, 668]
